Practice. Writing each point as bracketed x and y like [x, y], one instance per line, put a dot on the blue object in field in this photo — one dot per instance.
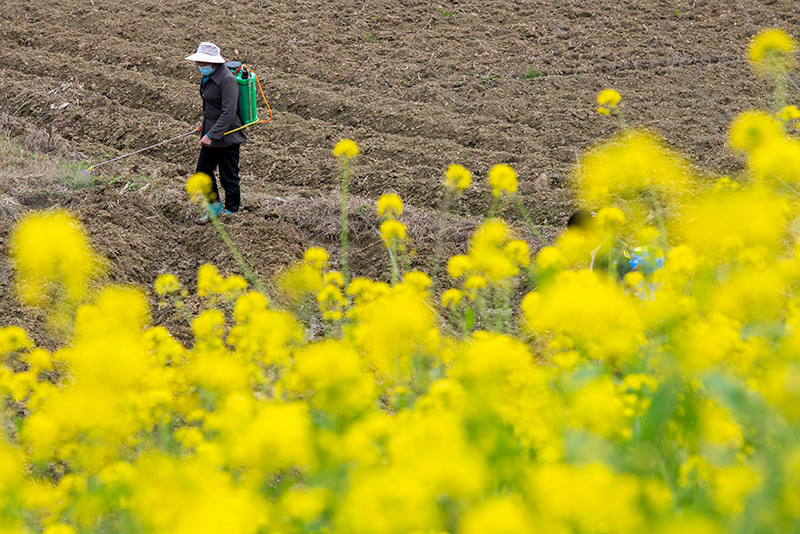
[647, 260]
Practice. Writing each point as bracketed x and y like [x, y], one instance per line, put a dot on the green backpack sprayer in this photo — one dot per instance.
[246, 107]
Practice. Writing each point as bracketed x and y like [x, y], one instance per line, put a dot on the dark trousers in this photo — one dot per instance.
[227, 159]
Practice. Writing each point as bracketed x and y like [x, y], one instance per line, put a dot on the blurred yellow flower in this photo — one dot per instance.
[502, 179]
[457, 178]
[199, 187]
[452, 297]
[391, 230]
[752, 129]
[771, 49]
[167, 284]
[346, 148]
[390, 205]
[608, 97]
[317, 257]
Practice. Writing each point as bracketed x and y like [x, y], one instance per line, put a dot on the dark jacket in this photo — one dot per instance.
[220, 103]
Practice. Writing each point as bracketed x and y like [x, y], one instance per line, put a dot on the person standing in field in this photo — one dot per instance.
[220, 94]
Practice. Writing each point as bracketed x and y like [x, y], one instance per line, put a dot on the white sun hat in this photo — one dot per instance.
[207, 53]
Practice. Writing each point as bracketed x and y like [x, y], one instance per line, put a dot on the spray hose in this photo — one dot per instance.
[195, 130]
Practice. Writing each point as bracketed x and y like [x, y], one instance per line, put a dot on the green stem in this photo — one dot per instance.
[345, 213]
[393, 260]
[662, 225]
[524, 212]
[405, 259]
[499, 316]
[243, 264]
[493, 207]
[780, 89]
[507, 309]
[621, 117]
[434, 268]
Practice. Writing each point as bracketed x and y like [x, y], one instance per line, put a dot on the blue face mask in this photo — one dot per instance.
[206, 71]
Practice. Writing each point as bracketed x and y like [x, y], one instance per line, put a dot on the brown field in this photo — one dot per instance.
[418, 85]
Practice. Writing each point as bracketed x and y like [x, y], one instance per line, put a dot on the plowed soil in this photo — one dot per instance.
[418, 85]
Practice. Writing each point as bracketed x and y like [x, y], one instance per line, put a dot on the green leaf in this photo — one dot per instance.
[469, 318]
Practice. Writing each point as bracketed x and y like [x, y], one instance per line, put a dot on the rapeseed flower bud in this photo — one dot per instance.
[502, 180]
[390, 206]
[457, 178]
[346, 149]
[167, 284]
[391, 230]
[771, 49]
[199, 187]
[317, 257]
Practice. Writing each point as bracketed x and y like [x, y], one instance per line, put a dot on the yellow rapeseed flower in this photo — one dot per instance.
[632, 161]
[473, 284]
[771, 49]
[335, 278]
[390, 206]
[752, 129]
[502, 179]
[317, 257]
[199, 187]
[608, 97]
[789, 113]
[346, 148]
[391, 230]
[418, 279]
[457, 178]
[452, 297]
[52, 258]
[458, 266]
[167, 284]
[13, 339]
